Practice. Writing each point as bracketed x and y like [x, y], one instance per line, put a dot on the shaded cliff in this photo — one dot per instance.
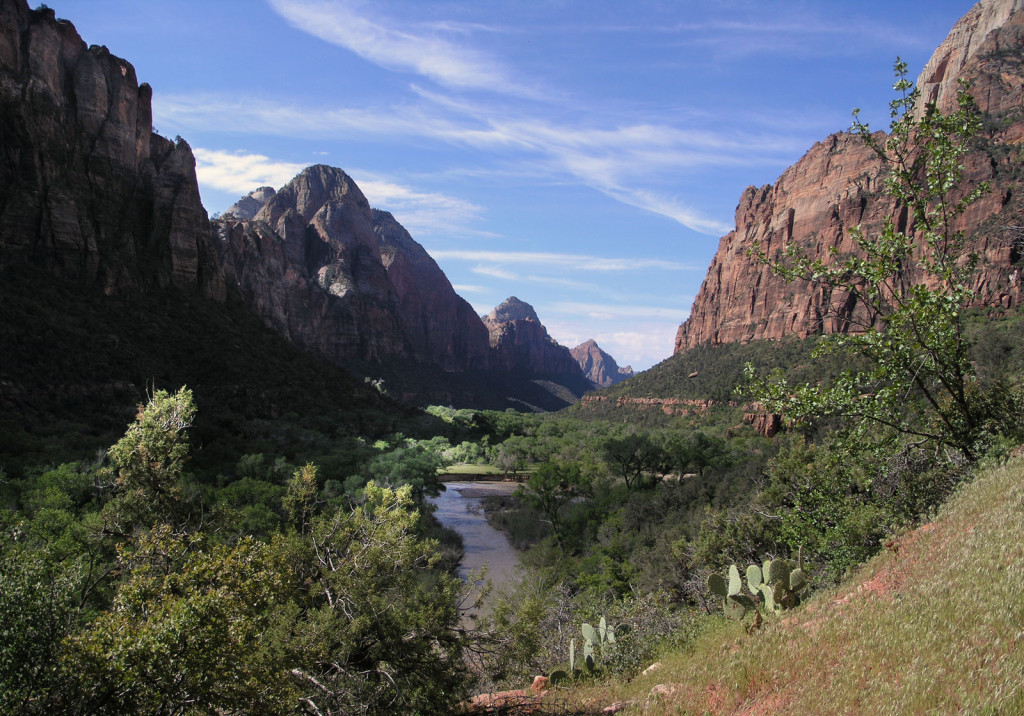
[87, 190]
[838, 185]
[599, 367]
[441, 327]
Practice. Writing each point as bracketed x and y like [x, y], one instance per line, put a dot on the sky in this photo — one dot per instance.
[583, 155]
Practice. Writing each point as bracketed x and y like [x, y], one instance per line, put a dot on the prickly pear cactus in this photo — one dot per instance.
[778, 583]
[717, 585]
[754, 579]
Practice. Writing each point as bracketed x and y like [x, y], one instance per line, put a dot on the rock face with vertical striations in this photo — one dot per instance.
[87, 190]
[309, 264]
[838, 185]
[442, 328]
[599, 367]
[335, 276]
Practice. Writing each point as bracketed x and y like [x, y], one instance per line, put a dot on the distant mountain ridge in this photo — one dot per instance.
[837, 186]
[249, 205]
[520, 342]
[599, 367]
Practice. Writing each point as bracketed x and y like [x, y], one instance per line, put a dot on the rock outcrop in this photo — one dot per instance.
[520, 342]
[837, 185]
[441, 327]
[87, 189]
[599, 367]
[249, 205]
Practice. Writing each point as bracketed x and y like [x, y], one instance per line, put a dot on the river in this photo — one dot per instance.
[459, 508]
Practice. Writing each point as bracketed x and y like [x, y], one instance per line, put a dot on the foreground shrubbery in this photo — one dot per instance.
[120, 594]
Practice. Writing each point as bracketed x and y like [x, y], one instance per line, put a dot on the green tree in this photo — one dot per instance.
[148, 462]
[300, 501]
[910, 284]
[634, 457]
[187, 630]
[381, 631]
[414, 465]
[38, 609]
[550, 488]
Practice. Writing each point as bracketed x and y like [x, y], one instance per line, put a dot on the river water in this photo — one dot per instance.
[459, 508]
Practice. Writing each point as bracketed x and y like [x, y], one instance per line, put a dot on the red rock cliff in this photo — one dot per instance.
[520, 342]
[837, 186]
[599, 367]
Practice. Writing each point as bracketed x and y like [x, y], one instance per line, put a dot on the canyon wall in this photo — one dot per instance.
[87, 189]
[838, 185]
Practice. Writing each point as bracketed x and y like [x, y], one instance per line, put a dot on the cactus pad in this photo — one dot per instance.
[754, 578]
[735, 585]
[717, 585]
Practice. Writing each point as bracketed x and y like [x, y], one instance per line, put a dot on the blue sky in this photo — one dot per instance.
[585, 156]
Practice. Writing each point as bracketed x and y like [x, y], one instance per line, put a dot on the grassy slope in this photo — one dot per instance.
[935, 626]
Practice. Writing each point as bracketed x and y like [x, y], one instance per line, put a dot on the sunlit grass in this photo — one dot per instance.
[464, 469]
[935, 626]
[479, 470]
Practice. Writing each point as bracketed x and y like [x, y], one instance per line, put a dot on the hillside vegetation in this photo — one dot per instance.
[934, 624]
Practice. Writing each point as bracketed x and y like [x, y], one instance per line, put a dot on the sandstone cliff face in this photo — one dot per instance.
[599, 367]
[442, 328]
[837, 185]
[519, 342]
[86, 188]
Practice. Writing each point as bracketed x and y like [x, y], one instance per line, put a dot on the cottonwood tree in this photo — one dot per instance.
[550, 488]
[634, 457]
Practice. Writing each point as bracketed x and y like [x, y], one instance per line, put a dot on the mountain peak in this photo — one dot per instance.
[311, 189]
[599, 367]
[512, 309]
[249, 205]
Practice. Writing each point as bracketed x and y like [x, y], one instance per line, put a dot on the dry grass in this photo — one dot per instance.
[934, 625]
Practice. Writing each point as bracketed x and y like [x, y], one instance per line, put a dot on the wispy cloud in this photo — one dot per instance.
[423, 213]
[424, 50]
[493, 272]
[646, 343]
[468, 288]
[241, 172]
[620, 162]
[605, 311]
[564, 283]
[576, 262]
